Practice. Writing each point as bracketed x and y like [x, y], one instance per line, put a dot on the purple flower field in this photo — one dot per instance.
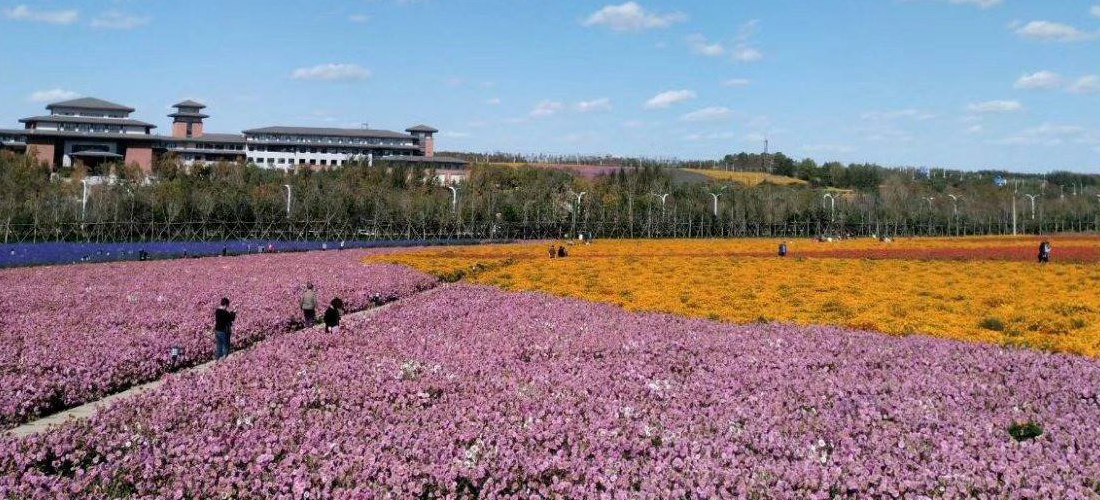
[73, 334]
[474, 392]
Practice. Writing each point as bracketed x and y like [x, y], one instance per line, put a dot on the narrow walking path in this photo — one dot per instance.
[89, 409]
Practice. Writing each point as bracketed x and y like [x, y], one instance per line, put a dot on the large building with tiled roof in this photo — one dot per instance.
[94, 132]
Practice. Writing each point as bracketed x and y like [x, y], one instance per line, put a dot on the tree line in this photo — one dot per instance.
[521, 201]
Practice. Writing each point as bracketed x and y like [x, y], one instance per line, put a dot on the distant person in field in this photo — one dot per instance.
[783, 249]
[223, 329]
[309, 306]
[1044, 252]
[333, 314]
[561, 252]
[553, 253]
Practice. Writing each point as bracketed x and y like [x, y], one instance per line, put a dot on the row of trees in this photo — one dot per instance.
[232, 201]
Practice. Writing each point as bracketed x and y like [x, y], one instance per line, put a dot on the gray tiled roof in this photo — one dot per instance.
[86, 119]
[422, 128]
[188, 104]
[95, 135]
[91, 103]
[336, 132]
[96, 154]
[188, 114]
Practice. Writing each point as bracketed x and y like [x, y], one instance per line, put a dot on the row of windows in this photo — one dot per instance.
[88, 113]
[301, 161]
[87, 127]
[309, 139]
[300, 149]
[204, 145]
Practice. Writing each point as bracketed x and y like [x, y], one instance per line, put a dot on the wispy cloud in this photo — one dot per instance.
[116, 20]
[668, 98]
[52, 95]
[736, 82]
[911, 114]
[493, 101]
[331, 72]
[995, 107]
[985, 4]
[827, 148]
[631, 17]
[744, 52]
[25, 13]
[1089, 84]
[358, 18]
[1039, 80]
[701, 46]
[714, 113]
[546, 108]
[1050, 31]
[601, 104]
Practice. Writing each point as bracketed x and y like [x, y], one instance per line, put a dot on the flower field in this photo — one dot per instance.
[470, 392]
[748, 178]
[73, 334]
[979, 289]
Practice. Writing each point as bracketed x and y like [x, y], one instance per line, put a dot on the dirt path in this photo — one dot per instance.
[88, 409]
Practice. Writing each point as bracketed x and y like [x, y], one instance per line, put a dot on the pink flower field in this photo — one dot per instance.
[470, 392]
[73, 334]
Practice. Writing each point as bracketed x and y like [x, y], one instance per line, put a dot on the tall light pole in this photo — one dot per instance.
[577, 208]
[84, 199]
[715, 195]
[930, 200]
[1032, 197]
[287, 186]
[454, 198]
[832, 202]
[955, 201]
[664, 197]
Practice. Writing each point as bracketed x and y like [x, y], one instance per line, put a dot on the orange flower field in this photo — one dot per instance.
[984, 292]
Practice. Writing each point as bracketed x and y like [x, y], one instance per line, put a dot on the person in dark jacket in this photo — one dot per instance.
[561, 252]
[333, 313]
[553, 252]
[223, 328]
[308, 303]
[783, 249]
[1044, 252]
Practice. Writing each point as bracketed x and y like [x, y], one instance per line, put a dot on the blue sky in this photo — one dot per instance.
[943, 83]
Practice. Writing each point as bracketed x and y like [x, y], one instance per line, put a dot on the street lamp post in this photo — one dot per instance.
[454, 198]
[715, 195]
[84, 199]
[832, 204]
[1032, 197]
[287, 186]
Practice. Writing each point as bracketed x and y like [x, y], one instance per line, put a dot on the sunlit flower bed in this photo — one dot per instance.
[1053, 307]
[72, 334]
[474, 392]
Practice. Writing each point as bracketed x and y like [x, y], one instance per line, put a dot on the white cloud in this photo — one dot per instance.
[666, 99]
[747, 54]
[25, 13]
[601, 104]
[494, 101]
[736, 82]
[975, 129]
[1039, 80]
[713, 113]
[118, 21]
[1052, 31]
[995, 107]
[1095, 11]
[1089, 84]
[546, 108]
[631, 17]
[912, 114]
[1051, 135]
[455, 134]
[53, 95]
[985, 4]
[699, 45]
[358, 18]
[331, 72]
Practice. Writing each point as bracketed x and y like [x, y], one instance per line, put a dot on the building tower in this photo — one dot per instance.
[187, 120]
[423, 135]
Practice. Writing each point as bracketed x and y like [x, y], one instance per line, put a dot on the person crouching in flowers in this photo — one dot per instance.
[223, 328]
[332, 315]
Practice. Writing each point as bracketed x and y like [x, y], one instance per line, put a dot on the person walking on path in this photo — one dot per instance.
[309, 306]
[332, 315]
[223, 328]
[1044, 252]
